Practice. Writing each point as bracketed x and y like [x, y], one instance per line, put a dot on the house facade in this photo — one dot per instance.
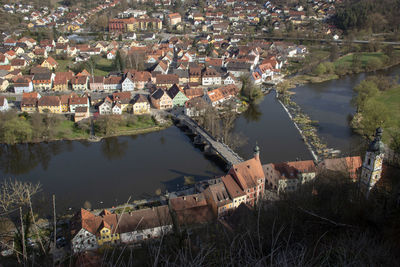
[140, 105]
[161, 100]
[49, 104]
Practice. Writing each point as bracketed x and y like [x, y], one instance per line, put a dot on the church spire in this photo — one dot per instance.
[372, 167]
[257, 152]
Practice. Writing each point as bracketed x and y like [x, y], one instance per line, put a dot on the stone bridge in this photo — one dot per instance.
[203, 137]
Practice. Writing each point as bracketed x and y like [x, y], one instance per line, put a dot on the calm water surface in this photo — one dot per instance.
[329, 104]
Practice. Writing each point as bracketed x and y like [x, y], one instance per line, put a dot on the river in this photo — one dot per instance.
[329, 104]
[109, 172]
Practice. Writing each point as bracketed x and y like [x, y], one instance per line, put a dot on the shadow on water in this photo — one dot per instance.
[178, 182]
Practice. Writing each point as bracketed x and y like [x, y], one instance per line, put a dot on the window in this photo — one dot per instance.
[369, 161]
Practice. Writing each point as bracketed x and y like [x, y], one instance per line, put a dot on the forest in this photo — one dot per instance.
[377, 16]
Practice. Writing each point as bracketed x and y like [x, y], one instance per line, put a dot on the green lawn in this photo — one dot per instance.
[62, 64]
[364, 58]
[66, 129]
[391, 99]
[103, 67]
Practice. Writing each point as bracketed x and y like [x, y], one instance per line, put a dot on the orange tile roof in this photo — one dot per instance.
[247, 173]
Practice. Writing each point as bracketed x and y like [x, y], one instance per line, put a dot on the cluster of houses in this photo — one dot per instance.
[228, 16]
[175, 73]
[63, 17]
[217, 199]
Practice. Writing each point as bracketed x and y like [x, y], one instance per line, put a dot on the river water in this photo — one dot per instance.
[109, 172]
[329, 104]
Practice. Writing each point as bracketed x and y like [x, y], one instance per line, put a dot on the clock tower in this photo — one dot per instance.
[372, 166]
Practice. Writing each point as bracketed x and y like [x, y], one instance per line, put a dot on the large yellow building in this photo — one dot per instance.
[49, 104]
[106, 234]
[141, 105]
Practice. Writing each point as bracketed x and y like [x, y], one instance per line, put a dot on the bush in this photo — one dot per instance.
[373, 64]
[320, 69]
[330, 67]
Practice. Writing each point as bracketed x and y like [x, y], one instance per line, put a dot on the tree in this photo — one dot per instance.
[15, 129]
[118, 63]
[388, 50]
[374, 115]
[365, 90]
[102, 21]
[330, 67]
[373, 64]
[15, 193]
[334, 53]
[356, 62]
[249, 91]
[320, 69]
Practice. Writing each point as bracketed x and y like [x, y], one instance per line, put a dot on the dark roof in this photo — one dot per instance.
[140, 99]
[158, 94]
[42, 76]
[173, 91]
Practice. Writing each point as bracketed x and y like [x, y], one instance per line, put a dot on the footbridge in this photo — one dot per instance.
[203, 137]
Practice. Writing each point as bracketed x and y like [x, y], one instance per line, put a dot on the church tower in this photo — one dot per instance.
[372, 166]
[257, 152]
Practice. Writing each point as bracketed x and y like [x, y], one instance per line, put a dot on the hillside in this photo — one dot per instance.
[378, 16]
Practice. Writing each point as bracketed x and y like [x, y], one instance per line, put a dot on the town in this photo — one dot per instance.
[99, 69]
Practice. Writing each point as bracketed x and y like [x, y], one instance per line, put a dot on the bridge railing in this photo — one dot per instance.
[192, 123]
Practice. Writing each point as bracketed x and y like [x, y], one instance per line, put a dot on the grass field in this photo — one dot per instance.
[364, 58]
[62, 64]
[103, 67]
[391, 99]
[66, 129]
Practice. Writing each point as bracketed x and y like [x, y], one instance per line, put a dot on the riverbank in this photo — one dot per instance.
[346, 65]
[37, 128]
[306, 128]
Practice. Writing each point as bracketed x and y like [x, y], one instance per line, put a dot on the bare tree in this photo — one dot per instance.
[16, 193]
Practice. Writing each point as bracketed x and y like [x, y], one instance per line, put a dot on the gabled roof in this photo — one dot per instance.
[232, 187]
[219, 194]
[140, 99]
[247, 173]
[49, 101]
[144, 219]
[51, 61]
[158, 94]
[167, 79]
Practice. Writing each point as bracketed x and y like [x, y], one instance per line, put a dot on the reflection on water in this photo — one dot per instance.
[269, 125]
[114, 148]
[253, 113]
[22, 158]
[108, 172]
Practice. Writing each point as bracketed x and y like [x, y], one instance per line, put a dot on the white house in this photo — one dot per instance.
[144, 224]
[3, 103]
[128, 84]
[111, 55]
[106, 107]
[23, 85]
[75, 102]
[83, 240]
[117, 109]
[229, 79]
[211, 77]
